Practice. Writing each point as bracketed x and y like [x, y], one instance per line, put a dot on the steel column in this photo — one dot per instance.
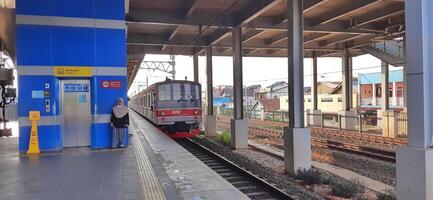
[195, 63]
[237, 73]
[414, 161]
[209, 80]
[297, 138]
[295, 64]
[347, 80]
[384, 85]
[314, 84]
[404, 74]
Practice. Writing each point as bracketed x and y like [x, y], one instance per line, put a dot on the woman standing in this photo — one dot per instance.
[119, 122]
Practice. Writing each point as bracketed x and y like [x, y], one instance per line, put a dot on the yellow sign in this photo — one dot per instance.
[34, 116]
[70, 71]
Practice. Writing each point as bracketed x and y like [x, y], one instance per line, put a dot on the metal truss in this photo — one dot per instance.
[163, 66]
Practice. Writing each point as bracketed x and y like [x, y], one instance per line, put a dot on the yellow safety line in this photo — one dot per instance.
[151, 188]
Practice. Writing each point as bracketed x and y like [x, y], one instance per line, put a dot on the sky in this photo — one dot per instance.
[256, 70]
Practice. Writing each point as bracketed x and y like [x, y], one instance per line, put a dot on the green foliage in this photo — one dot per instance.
[389, 195]
[309, 177]
[346, 189]
[224, 137]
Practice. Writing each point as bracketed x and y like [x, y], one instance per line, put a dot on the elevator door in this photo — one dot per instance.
[75, 103]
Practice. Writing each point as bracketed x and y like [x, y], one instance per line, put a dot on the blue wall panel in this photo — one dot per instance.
[73, 46]
[107, 97]
[100, 9]
[39, 45]
[102, 136]
[50, 138]
[33, 45]
[33, 7]
[110, 9]
[27, 84]
[110, 47]
[73, 8]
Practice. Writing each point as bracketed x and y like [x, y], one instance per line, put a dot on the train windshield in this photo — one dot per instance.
[178, 95]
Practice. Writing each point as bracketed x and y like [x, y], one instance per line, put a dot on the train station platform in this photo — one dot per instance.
[74, 173]
[179, 172]
[152, 167]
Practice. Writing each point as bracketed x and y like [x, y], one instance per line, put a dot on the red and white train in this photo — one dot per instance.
[173, 106]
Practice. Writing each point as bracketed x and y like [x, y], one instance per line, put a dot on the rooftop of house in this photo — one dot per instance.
[375, 78]
[269, 105]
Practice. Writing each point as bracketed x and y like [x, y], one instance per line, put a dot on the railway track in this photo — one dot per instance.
[251, 185]
[258, 124]
[380, 154]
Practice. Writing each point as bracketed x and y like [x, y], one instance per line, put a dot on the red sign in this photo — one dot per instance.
[111, 84]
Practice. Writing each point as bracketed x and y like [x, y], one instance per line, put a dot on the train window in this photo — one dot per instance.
[164, 92]
[148, 100]
[196, 93]
[182, 92]
[177, 92]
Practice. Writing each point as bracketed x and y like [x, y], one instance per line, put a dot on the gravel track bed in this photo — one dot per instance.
[262, 165]
[375, 169]
[355, 141]
[372, 168]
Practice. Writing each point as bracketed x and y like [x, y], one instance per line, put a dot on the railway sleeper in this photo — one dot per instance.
[241, 183]
[234, 178]
[258, 195]
[248, 189]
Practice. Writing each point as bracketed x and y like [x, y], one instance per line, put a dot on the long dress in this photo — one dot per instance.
[119, 123]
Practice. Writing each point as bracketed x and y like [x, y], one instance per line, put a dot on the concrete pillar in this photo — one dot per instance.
[239, 125]
[394, 94]
[210, 121]
[297, 138]
[384, 72]
[195, 63]
[348, 117]
[374, 100]
[314, 85]
[347, 80]
[383, 113]
[404, 75]
[415, 161]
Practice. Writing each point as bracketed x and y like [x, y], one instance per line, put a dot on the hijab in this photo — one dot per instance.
[120, 110]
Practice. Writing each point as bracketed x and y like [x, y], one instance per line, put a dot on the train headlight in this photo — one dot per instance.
[162, 113]
[195, 112]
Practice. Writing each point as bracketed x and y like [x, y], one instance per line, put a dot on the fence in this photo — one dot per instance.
[390, 125]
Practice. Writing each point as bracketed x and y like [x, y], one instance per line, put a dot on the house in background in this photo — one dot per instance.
[329, 98]
[370, 89]
[274, 91]
[264, 108]
[249, 94]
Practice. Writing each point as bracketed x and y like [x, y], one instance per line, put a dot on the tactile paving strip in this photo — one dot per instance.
[149, 182]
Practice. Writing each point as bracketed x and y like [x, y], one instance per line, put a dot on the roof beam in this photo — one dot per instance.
[251, 34]
[338, 12]
[339, 39]
[378, 15]
[190, 7]
[254, 10]
[308, 5]
[307, 39]
[146, 17]
[137, 40]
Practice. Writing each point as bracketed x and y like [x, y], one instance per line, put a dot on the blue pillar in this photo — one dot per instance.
[79, 33]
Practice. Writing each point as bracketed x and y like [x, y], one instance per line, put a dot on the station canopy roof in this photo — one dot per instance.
[186, 27]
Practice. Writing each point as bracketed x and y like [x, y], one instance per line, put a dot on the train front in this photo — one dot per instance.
[178, 108]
